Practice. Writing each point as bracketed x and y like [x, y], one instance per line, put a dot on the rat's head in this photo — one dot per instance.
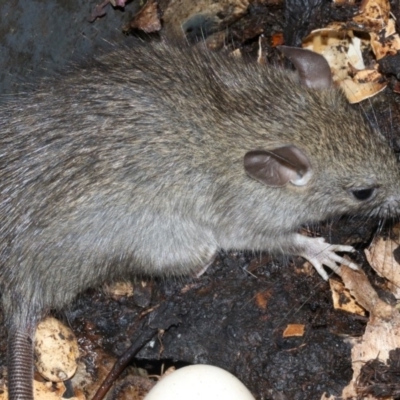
[338, 169]
[330, 161]
[358, 166]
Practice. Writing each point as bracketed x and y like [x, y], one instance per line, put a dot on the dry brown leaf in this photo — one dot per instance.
[380, 257]
[100, 9]
[365, 295]
[180, 13]
[382, 333]
[119, 289]
[385, 42]
[374, 15]
[343, 300]
[262, 299]
[294, 330]
[343, 51]
[147, 19]
[379, 338]
[364, 84]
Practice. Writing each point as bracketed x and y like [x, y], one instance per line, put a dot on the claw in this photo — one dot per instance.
[344, 248]
[320, 269]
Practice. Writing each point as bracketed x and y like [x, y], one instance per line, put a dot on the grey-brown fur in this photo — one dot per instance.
[135, 165]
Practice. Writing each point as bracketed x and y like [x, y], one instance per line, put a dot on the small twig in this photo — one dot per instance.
[147, 334]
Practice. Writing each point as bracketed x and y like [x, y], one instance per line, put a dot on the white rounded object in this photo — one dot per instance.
[199, 382]
[56, 350]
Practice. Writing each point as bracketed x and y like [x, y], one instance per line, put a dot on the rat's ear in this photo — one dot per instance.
[278, 167]
[313, 69]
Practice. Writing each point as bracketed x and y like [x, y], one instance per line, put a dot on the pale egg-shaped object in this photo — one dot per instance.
[56, 350]
[199, 382]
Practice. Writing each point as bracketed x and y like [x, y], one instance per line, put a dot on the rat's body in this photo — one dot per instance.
[135, 165]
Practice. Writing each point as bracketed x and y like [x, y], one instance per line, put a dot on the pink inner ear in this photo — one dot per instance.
[278, 167]
[313, 69]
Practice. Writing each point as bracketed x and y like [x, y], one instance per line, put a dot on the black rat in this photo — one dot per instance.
[152, 159]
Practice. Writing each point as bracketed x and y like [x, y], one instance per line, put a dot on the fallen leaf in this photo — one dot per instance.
[343, 300]
[294, 330]
[147, 19]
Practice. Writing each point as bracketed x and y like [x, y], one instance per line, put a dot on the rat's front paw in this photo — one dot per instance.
[318, 252]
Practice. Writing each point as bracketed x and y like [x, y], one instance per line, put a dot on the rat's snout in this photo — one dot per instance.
[391, 207]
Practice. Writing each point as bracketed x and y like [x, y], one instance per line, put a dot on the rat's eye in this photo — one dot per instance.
[363, 194]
